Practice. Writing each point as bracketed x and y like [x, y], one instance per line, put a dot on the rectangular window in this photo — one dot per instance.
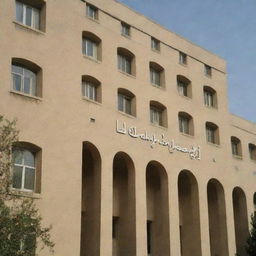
[154, 77]
[207, 70]
[208, 99]
[24, 80]
[210, 135]
[182, 58]
[155, 116]
[90, 48]
[124, 104]
[91, 12]
[90, 91]
[124, 64]
[125, 29]
[155, 44]
[184, 125]
[27, 15]
[182, 89]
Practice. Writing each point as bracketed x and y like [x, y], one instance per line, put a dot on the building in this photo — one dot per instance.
[125, 135]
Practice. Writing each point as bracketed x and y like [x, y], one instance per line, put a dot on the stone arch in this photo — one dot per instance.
[158, 234]
[240, 220]
[91, 200]
[123, 223]
[217, 218]
[190, 234]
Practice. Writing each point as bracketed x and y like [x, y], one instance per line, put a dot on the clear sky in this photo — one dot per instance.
[224, 27]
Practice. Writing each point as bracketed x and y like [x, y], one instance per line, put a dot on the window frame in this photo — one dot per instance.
[184, 86]
[33, 83]
[35, 18]
[124, 103]
[90, 48]
[92, 12]
[24, 171]
[207, 70]
[252, 151]
[212, 133]
[124, 64]
[125, 29]
[183, 58]
[155, 77]
[210, 97]
[155, 44]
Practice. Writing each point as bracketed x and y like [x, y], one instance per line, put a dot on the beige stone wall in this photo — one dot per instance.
[60, 121]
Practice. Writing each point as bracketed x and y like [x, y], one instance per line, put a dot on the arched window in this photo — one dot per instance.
[26, 167]
[126, 61]
[236, 146]
[126, 101]
[186, 124]
[252, 151]
[210, 97]
[91, 88]
[91, 45]
[158, 114]
[212, 133]
[184, 86]
[26, 77]
[156, 74]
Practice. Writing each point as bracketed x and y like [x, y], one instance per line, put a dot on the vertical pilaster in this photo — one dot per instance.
[230, 222]
[141, 208]
[106, 206]
[174, 214]
[204, 220]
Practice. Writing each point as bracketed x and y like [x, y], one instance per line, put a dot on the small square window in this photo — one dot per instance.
[125, 29]
[92, 12]
[207, 70]
[155, 44]
[183, 58]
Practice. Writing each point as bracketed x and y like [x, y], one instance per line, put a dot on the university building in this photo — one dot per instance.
[126, 141]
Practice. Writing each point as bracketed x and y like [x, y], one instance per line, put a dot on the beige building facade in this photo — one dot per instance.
[126, 140]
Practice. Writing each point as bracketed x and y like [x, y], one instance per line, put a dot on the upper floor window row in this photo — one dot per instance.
[31, 15]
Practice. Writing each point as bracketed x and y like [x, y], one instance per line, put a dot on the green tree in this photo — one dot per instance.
[251, 241]
[21, 230]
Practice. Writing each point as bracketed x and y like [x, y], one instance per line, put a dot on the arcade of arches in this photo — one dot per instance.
[158, 214]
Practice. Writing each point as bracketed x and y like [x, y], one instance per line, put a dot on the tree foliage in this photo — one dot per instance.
[21, 229]
[251, 241]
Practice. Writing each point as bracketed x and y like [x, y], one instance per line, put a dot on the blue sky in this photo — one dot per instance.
[224, 27]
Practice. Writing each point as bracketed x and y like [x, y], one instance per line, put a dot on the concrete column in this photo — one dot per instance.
[230, 221]
[204, 221]
[141, 207]
[174, 214]
[106, 205]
